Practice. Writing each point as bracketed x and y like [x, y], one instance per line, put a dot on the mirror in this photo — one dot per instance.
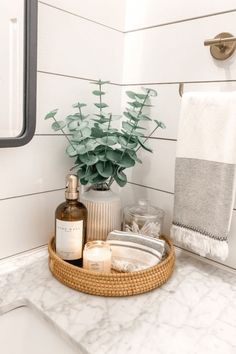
[18, 70]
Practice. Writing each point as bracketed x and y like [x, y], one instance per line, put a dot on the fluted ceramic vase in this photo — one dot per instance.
[104, 213]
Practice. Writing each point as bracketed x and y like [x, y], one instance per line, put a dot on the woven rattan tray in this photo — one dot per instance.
[113, 284]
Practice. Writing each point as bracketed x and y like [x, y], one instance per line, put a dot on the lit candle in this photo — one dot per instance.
[97, 256]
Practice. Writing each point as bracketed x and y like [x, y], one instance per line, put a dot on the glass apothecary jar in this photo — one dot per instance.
[143, 218]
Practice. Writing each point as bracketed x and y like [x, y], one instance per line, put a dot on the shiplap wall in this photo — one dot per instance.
[77, 41]
[164, 46]
[133, 42]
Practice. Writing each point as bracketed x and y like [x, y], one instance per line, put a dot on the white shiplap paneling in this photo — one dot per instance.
[38, 166]
[152, 12]
[176, 53]
[73, 46]
[107, 12]
[27, 222]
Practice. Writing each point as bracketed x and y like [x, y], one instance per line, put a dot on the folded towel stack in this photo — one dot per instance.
[133, 252]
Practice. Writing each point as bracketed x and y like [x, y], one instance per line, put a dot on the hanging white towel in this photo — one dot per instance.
[205, 172]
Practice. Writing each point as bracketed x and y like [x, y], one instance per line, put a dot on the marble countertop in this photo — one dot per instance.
[194, 312]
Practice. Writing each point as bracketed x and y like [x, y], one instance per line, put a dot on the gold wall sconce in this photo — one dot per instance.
[222, 46]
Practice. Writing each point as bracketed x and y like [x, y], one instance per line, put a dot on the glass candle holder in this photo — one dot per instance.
[97, 256]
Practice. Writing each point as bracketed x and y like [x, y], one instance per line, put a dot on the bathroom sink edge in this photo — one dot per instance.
[24, 302]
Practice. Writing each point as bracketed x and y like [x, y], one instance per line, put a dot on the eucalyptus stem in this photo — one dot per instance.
[80, 112]
[149, 136]
[100, 98]
[136, 124]
[109, 124]
[65, 134]
[110, 182]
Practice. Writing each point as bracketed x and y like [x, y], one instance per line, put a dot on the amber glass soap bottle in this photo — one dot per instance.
[70, 225]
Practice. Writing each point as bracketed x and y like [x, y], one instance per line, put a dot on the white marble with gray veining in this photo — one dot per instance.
[193, 313]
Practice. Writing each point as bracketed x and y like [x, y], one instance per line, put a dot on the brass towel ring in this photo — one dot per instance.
[181, 89]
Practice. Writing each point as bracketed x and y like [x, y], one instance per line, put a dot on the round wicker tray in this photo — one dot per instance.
[115, 283]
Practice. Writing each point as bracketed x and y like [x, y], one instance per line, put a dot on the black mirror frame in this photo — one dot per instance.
[30, 77]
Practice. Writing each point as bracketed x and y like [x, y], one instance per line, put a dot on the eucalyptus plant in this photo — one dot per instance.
[102, 152]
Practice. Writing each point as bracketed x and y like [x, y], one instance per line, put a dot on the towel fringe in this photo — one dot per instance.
[200, 243]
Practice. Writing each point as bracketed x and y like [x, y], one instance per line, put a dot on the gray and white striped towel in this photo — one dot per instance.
[205, 172]
[133, 252]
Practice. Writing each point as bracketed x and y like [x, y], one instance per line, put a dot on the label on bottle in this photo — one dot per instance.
[69, 239]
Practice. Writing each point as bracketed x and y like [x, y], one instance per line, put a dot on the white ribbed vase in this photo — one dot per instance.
[104, 213]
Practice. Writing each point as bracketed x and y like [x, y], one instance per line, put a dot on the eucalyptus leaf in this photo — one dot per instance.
[98, 93]
[114, 155]
[126, 161]
[125, 143]
[58, 125]
[110, 130]
[120, 157]
[89, 159]
[82, 125]
[149, 91]
[82, 172]
[97, 133]
[81, 149]
[135, 104]
[127, 115]
[101, 121]
[103, 115]
[105, 169]
[71, 150]
[73, 117]
[121, 175]
[144, 117]
[83, 181]
[138, 134]
[120, 178]
[51, 114]
[100, 148]
[134, 114]
[128, 127]
[96, 178]
[102, 156]
[160, 124]
[141, 96]
[79, 136]
[99, 82]
[133, 155]
[145, 147]
[101, 105]
[79, 105]
[108, 140]
[85, 147]
[131, 94]
[75, 125]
